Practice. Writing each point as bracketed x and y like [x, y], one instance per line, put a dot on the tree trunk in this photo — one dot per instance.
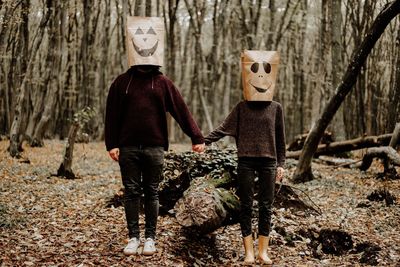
[53, 62]
[394, 110]
[65, 169]
[394, 141]
[303, 171]
[16, 126]
[337, 65]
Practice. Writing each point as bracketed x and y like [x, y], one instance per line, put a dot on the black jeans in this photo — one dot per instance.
[247, 169]
[141, 171]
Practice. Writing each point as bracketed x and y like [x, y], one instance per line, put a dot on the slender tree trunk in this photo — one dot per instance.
[303, 171]
[140, 7]
[148, 8]
[51, 75]
[171, 53]
[271, 29]
[337, 63]
[16, 127]
[197, 14]
[103, 78]
[394, 95]
[65, 168]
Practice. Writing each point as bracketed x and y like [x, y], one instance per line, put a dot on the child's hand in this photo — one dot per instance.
[198, 148]
[114, 154]
[279, 174]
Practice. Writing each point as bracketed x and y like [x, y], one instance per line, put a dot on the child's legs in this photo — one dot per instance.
[129, 161]
[153, 158]
[266, 180]
[246, 193]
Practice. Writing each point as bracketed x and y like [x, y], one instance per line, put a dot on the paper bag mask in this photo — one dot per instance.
[145, 41]
[259, 73]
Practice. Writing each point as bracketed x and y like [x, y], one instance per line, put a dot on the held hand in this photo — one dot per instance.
[198, 148]
[114, 154]
[279, 174]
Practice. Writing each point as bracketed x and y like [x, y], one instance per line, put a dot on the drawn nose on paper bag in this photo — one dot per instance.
[259, 73]
[145, 44]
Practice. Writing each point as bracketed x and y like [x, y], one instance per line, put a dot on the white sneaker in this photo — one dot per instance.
[149, 247]
[132, 247]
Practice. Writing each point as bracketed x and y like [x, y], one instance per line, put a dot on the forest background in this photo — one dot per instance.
[61, 56]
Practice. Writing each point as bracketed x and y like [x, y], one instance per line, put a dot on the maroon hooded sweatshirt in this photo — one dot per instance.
[136, 111]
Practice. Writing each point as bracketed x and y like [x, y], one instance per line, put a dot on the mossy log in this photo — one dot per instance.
[211, 203]
[205, 207]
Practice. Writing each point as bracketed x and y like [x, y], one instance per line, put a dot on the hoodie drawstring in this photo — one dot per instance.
[127, 88]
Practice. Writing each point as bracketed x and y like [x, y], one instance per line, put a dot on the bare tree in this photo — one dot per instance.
[66, 59]
[16, 127]
[303, 171]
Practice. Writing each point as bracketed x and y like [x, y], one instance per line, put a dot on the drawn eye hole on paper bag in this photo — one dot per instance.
[259, 73]
[145, 41]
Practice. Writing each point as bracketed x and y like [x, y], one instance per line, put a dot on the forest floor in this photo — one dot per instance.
[50, 221]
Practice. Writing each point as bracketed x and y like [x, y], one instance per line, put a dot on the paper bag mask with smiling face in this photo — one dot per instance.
[145, 41]
[259, 73]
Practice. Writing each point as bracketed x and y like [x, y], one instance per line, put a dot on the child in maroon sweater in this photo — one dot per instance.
[259, 132]
[136, 136]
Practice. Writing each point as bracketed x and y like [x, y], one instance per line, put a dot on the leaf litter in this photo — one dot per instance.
[50, 221]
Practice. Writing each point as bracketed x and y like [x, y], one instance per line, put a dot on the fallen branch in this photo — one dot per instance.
[345, 146]
[385, 153]
[337, 162]
[299, 140]
[388, 154]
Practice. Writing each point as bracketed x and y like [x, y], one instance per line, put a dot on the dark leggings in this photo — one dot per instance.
[141, 169]
[247, 169]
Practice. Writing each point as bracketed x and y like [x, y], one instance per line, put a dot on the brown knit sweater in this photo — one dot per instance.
[258, 128]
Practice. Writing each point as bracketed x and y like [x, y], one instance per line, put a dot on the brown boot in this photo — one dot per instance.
[263, 242]
[248, 249]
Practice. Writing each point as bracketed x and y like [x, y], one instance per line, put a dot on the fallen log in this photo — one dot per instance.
[181, 168]
[204, 207]
[337, 162]
[388, 153]
[209, 204]
[345, 146]
[385, 153]
[299, 140]
[388, 167]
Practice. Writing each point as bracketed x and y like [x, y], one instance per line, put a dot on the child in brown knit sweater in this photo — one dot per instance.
[257, 124]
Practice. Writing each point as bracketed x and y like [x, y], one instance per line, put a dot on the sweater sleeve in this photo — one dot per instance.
[227, 128]
[112, 121]
[178, 109]
[280, 137]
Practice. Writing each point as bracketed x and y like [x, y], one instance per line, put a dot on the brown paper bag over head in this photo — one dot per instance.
[145, 41]
[259, 73]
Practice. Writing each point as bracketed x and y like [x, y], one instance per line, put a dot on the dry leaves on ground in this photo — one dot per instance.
[50, 221]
